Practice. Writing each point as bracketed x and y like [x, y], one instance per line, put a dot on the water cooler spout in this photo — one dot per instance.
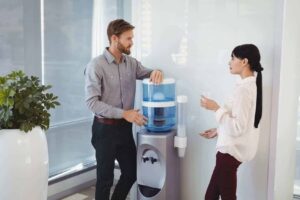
[180, 140]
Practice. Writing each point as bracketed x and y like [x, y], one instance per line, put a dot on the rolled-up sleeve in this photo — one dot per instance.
[93, 83]
[236, 121]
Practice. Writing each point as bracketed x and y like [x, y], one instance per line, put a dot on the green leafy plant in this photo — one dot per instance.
[24, 103]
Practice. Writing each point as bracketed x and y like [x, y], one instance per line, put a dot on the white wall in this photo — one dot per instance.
[191, 40]
[286, 94]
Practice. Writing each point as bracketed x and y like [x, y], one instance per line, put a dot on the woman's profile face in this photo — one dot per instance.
[235, 65]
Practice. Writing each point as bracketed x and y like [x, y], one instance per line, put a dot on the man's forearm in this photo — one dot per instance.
[102, 109]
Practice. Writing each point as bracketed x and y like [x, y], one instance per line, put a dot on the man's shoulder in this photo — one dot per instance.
[95, 65]
[98, 61]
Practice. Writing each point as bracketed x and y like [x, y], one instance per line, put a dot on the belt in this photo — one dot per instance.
[108, 121]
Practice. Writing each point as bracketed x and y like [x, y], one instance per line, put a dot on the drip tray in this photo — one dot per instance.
[148, 191]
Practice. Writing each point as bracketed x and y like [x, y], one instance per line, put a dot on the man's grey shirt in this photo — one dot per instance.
[110, 87]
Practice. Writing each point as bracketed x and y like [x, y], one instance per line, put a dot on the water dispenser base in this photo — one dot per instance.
[159, 180]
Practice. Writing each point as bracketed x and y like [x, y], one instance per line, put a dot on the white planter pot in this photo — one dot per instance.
[23, 165]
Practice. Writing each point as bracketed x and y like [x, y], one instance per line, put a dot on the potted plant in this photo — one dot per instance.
[24, 116]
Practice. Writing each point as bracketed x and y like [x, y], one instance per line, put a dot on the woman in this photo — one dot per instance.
[238, 121]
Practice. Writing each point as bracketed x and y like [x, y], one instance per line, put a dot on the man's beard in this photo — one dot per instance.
[123, 49]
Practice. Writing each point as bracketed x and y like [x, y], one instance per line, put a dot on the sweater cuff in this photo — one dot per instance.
[219, 114]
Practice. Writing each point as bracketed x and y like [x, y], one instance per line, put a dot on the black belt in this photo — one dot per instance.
[108, 121]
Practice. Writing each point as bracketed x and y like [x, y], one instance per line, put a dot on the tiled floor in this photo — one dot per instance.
[87, 194]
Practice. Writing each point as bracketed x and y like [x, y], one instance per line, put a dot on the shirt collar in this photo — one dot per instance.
[247, 80]
[110, 58]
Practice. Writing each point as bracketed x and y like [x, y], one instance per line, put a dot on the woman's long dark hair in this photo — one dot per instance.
[251, 52]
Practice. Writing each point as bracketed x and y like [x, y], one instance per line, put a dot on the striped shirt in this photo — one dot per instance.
[110, 86]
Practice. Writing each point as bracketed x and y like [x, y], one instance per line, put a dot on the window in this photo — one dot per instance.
[72, 33]
[11, 36]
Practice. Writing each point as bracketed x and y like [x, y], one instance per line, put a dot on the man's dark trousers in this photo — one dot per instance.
[114, 142]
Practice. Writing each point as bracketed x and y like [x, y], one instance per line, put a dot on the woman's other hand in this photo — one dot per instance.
[209, 134]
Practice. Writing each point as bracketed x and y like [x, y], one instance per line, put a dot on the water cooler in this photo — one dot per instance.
[161, 143]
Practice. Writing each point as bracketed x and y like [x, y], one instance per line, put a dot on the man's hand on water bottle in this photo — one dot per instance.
[134, 116]
[156, 76]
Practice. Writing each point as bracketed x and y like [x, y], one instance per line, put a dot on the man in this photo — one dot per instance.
[110, 91]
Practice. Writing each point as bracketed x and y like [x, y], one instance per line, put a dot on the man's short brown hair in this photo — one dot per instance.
[117, 27]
